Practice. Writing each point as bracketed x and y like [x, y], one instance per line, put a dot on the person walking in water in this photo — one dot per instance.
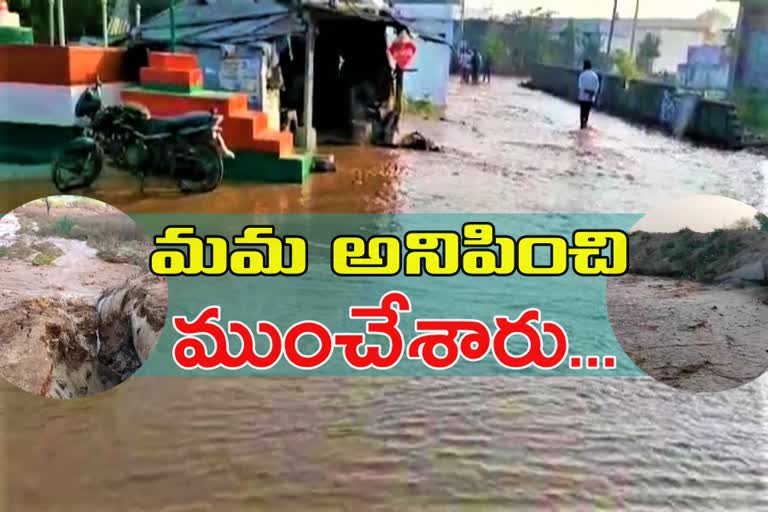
[476, 63]
[487, 68]
[464, 65]
[589, 87]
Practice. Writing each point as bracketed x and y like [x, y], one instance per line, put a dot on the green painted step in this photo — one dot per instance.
[168, 90]
[186, 90]
[16, 35]
[267, 168]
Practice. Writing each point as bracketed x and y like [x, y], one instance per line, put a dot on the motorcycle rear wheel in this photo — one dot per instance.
[85, 168]
[210, 166]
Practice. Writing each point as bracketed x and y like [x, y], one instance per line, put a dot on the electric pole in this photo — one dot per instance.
[613, 25]
[634, 30]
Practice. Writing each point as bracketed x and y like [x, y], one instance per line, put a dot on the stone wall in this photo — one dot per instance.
[650, 103]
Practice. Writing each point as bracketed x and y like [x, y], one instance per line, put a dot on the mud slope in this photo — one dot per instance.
[690, 335]
[70, 348]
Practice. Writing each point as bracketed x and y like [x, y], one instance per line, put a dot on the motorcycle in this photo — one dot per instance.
[188, 148]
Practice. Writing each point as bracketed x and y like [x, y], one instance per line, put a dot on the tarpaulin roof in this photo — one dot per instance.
[215, 22]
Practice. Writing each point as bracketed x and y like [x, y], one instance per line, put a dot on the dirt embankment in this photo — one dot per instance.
[70, 348]
[693, 336]
[693, 310]
[723, 255]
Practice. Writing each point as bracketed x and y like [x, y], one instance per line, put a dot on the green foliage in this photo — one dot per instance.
[568, 38]
[625, 65]
[493, 44]
[47, 248]
[63, 227]
[648, 51]
[421, 107]
[132, 253]
[514, 41]
[762, 219]
[3, 252]
[715, 16]
[43, 259]
[81, 17]
[753, 110]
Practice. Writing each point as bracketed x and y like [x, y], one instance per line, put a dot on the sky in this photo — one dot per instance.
[604, 8]
[699, 213]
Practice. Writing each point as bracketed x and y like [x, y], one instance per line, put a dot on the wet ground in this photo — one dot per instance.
[398, 444]
[695, 337]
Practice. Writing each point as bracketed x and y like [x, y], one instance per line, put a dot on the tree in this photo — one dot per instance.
[493, 44]
[82, 17]
[716, 17]
[716, 20]
[625, 65]
[762, 219]
[567, 42]
[592, 49]
[648, 51]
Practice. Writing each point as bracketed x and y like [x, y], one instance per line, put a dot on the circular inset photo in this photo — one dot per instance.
[80, 311]
[692, 312]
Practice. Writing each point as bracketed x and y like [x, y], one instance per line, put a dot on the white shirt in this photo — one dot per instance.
[588, 81]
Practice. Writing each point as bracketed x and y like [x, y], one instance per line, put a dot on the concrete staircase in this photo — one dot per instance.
[172, 85]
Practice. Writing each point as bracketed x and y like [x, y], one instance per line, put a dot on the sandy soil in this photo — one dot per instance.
[688, 335]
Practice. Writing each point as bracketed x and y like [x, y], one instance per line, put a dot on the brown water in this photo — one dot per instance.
[415, 444]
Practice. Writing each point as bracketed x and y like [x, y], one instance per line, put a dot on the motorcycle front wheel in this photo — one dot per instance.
[76, 169]
[206, 173]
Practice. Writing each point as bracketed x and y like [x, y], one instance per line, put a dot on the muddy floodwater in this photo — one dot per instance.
[235, 444]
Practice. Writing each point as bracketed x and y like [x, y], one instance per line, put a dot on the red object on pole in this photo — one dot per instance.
[403, 52]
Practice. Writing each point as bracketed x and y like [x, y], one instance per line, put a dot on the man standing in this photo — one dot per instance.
[487, 68]
[476, 62]
[464, 64]
[589, 87]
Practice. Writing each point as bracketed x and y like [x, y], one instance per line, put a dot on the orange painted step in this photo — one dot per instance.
[166, 60]
[278, 143]
[238, 104]
[239, 133]
[258, 120]
[184, 78]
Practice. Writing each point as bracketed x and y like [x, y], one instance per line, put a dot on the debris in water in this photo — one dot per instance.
[419, 142]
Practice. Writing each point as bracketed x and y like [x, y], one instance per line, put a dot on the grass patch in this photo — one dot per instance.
[42, 259]
[115, 237]
[421, 108]
[17, 251]
[47, 248]
[63, 227]
[131, 253]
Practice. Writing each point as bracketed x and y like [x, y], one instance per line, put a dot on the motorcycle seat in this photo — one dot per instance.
[156, 125]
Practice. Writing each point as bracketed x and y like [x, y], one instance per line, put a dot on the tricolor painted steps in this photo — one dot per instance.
[172, 85]
[39, 88]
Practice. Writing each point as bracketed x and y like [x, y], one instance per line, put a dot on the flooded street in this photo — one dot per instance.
[394, 444]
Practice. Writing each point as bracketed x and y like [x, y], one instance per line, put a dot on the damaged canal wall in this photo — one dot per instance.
[650, 103]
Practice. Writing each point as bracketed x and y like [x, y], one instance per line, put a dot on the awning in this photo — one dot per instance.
[248, 21]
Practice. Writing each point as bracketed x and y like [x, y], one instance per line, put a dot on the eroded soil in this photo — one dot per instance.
[702, 338]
